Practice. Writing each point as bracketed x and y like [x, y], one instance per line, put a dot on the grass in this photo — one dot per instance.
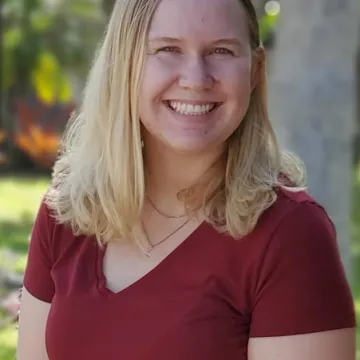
[20, 198]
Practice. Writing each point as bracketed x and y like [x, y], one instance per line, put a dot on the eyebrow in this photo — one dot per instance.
[225, 41]
[164, 39]
[228, 41]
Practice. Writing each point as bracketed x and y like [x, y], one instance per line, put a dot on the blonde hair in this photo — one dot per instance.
[98, 185]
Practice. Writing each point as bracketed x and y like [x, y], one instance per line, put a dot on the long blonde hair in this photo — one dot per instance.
[98, 185]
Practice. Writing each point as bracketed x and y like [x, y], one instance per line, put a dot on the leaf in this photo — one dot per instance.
[8, 70]
[12, 38]
[41, 21]
[84, 9]
[267, 25]
[25, 143]
[50, 82]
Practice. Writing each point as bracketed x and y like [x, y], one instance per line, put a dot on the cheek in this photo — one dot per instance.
[158, 76]
[234, 78]
[156, 79]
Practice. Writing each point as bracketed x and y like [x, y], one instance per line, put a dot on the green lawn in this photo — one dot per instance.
[19, 201]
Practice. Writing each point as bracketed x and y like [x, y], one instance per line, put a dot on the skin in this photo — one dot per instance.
[32, 323]
[195, 68]
[207, 61]
[200, 54]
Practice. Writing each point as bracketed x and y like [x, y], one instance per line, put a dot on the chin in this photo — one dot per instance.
[191, 147]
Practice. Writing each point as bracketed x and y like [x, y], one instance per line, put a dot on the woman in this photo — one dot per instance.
[174, 227]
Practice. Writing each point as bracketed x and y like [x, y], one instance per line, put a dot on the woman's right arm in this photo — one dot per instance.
[38, 290]
[32, 323]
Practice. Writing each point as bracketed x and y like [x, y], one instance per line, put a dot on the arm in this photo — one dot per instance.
[32, 321]
[327, 345]
[38, 290]
[303, 309]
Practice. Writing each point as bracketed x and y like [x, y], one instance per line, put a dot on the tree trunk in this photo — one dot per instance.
[356, 152]
[313, 99]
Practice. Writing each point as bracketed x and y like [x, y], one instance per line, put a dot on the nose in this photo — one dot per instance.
[195, 75]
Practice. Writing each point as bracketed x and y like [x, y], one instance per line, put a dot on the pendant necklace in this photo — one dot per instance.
[152, 246]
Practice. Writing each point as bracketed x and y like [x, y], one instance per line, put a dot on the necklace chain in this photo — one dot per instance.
[153, 246]
[162, 213]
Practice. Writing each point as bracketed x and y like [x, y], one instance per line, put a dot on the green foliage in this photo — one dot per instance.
[65, 30]
[267, 26]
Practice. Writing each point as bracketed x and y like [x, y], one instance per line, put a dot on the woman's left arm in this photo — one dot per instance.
[327, 345]
[303, 308]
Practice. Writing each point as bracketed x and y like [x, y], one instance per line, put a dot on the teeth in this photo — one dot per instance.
[189, 109]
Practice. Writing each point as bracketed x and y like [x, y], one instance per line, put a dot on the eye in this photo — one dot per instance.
[169, 49]
[222, 51]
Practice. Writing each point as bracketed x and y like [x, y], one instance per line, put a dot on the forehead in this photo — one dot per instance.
[200, 19]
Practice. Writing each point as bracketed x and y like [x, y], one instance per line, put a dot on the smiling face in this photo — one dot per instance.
[198, 74]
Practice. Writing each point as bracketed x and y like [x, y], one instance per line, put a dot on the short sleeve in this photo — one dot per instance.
[37, 280]
[302, 287]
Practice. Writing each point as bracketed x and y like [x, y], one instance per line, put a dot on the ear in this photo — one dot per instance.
[258, 67]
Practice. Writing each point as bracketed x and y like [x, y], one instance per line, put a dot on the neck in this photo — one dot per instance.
[168, 172]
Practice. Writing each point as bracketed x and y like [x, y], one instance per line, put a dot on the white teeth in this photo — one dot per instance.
[189, 109]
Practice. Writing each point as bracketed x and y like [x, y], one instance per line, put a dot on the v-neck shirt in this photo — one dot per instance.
[205, 300]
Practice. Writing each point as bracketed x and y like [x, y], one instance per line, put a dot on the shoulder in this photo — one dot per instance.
[50, 242]
[299, 225]
[292, 212]
[51, 235]
[294, 221]
[304, 233]
[295, 232]
[299, 271]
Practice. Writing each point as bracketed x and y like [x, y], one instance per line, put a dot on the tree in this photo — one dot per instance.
[67, 30]
[312, 98]
[43, 43]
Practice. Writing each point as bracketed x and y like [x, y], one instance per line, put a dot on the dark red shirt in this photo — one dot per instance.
[205, 300]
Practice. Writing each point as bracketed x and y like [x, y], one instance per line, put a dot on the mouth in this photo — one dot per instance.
[184, 108]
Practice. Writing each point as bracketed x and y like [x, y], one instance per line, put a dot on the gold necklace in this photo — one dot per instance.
[163, 214]
[153, 246]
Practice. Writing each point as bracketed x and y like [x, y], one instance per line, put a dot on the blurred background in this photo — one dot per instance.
[314, 91]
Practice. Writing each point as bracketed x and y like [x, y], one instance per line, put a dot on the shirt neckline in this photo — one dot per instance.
[141, 282]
